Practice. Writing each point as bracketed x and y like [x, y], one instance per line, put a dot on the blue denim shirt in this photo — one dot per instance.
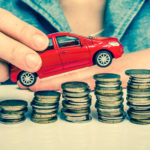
[128, 20]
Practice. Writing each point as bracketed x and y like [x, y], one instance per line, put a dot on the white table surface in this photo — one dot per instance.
[63, 135]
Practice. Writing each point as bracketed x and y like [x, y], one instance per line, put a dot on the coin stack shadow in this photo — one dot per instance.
[109, 94]
[13, 111]
[138, 96]
[77, 102]
[45, 107]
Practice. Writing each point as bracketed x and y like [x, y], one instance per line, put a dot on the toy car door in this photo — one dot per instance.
[72, 52]
[50, 60]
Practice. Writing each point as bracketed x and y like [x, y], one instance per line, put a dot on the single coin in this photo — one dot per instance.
[107, 77]
[71, 106]
[44, 100]
[143, 112]
[13, 105]
[139, 80]
[75, 86]
[75, 94]
[136, 107]
[77, 119]
[50, 94]
[141, 73]
[109, 104]
[78, 111]
[109, 97]
[68, 113]
[112, 120]
[12, 121]
[11, 116]
[108, 84]
[41, 115]
[108, 91]
[43, 106]
[139, 103]
[35, 110]
[85, 99]
[44, 120]
[20, 112]
[138, 86]
[138, 116]
[138, 121]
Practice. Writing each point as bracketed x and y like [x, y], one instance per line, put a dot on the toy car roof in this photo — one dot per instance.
[58, 34]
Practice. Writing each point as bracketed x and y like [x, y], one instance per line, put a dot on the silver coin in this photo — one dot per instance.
[138, 102]
[48, 94]
[11, 116]
[138, 116]
[75, 86]
[79, 94]
[77, 119]
[111, 120]
[141, 73]
[138, 121]
[83, 110]
[107, 77]
[85, 99]
[12, 121]
[35, 110]
[44, 120]
[108, 84]
[68, 113]
[109, 97]
[41, 115]
[73, 106]
[13, 105]
[109, 104]
[138, 107]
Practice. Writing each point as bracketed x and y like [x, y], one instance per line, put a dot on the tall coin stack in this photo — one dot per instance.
[13, 111]
[45, 106]
[109, 102]
[77, 102]
[138, 96]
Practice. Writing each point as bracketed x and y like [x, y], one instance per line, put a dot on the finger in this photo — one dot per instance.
[27, 34]
[4, 73]
[21, 86]
[18, 54]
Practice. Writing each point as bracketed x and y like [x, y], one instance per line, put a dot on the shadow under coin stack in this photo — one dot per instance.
[77, 102]
[13, 111]
[45, 106]
[138, 96]
[109, 102]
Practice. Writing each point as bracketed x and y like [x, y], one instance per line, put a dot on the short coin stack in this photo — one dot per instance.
[45, 106]
[77, 102]
[109, 102]
[13, 111]
[138, 96]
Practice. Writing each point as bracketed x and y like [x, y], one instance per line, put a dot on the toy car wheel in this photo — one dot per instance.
[103, 58]
[27, 78]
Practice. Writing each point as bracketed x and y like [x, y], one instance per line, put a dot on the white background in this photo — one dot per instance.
[63, 135]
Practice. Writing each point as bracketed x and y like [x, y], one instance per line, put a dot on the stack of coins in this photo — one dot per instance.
[77, 102]
[109, 94]
[13, 111]
[45, 106]
[138, 96]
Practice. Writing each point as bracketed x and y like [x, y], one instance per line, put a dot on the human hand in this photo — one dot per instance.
[19, 42]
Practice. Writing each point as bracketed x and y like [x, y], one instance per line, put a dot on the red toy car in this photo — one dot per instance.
[67, 51]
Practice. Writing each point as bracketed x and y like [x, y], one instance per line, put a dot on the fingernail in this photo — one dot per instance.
[33, 61]
[40, 41]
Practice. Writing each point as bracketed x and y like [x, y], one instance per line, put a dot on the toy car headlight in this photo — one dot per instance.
[114, 43]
